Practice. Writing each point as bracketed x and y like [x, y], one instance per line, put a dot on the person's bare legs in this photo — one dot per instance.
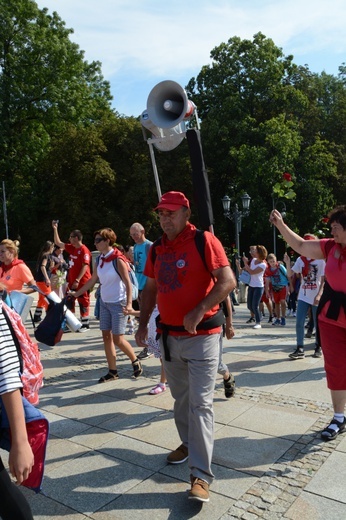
[269, 307]
[277, 311]
[124, 346]
[109, 349]
[338, 400]
[163, 379]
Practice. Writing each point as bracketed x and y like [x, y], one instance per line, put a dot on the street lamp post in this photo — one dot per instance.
[236, 215]
[283, 213]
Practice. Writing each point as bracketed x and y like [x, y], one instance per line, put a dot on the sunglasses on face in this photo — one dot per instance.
[98, 240]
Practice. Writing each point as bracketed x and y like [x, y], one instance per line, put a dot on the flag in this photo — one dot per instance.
[201, 191]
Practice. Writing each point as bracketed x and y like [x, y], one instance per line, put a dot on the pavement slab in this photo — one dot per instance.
[106, 457]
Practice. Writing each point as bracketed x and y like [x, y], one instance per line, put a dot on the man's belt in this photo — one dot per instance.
[214, 321]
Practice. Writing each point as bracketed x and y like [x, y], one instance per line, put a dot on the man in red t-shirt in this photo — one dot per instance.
[79, 269]
[188, 292]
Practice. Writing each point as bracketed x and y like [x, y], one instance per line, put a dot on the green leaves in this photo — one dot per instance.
[283, 189]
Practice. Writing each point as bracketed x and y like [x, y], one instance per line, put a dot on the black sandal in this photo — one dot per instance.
[109, 377]
[330, 433]
[229, 385]
[137, 368]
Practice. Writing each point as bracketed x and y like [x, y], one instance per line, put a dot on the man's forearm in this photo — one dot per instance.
[223, 286]
[57, 240]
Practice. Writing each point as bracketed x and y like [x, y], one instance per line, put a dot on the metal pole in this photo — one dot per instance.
[237, 241]
[274, 232]
[156, 175]
[274, 240]
[4, 208]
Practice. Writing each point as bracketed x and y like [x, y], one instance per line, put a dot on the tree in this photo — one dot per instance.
[262, 115]
[45, 83]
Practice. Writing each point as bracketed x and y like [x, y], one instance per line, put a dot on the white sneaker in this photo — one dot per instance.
[257, 326]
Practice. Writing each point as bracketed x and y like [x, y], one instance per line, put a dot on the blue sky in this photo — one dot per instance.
[141, 43]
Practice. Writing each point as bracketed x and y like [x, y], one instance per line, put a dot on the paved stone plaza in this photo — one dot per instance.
[108, 444]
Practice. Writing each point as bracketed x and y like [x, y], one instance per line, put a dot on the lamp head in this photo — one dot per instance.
[226, 204]
[246, 199]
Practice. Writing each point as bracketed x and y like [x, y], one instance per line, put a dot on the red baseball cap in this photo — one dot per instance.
[173, 200]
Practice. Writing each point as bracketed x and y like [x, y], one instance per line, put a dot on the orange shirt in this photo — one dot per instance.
[16, 277]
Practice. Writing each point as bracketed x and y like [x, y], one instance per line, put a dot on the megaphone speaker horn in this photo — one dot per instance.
[168, 104]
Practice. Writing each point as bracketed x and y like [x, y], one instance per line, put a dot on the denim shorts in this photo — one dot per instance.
[112, 317]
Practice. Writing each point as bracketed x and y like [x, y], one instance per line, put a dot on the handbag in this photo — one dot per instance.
[37, 428]
[50, 330]
[245, 277]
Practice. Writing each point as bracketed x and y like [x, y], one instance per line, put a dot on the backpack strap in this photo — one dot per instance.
[200, 245]
[115, 265]
[153, 249]
[214, 321]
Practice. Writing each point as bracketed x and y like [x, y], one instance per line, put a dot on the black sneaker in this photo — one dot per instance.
[250, 320]
[144, 354]
[84, 328]
[318, 352]
[229, 385]
[297, 354]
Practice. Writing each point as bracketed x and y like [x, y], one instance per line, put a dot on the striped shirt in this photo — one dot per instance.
[9, 361]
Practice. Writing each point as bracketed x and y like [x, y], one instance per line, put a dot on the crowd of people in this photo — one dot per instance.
[183, 310]
[285, 287]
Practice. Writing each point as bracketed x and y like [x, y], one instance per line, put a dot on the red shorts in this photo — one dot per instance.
[280, 295]
[264, 298]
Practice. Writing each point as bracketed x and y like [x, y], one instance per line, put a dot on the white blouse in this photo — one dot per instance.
[257, 280]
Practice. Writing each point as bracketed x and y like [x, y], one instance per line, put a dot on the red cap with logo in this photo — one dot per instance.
[173, 200]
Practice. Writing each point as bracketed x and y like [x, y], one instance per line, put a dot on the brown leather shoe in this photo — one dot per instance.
[179, 455]
[199, 489]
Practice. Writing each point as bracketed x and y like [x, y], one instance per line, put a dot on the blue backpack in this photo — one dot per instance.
[132, 275]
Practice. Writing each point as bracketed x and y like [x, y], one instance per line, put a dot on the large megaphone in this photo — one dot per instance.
[168, 105]
[166, 139]
[166, 116]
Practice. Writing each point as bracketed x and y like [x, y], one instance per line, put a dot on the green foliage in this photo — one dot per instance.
[262, 115]
[65, 154]
[45, 84]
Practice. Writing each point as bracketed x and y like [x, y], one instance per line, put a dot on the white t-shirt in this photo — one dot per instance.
[257, 279]
[310, 284]
[112, 287]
